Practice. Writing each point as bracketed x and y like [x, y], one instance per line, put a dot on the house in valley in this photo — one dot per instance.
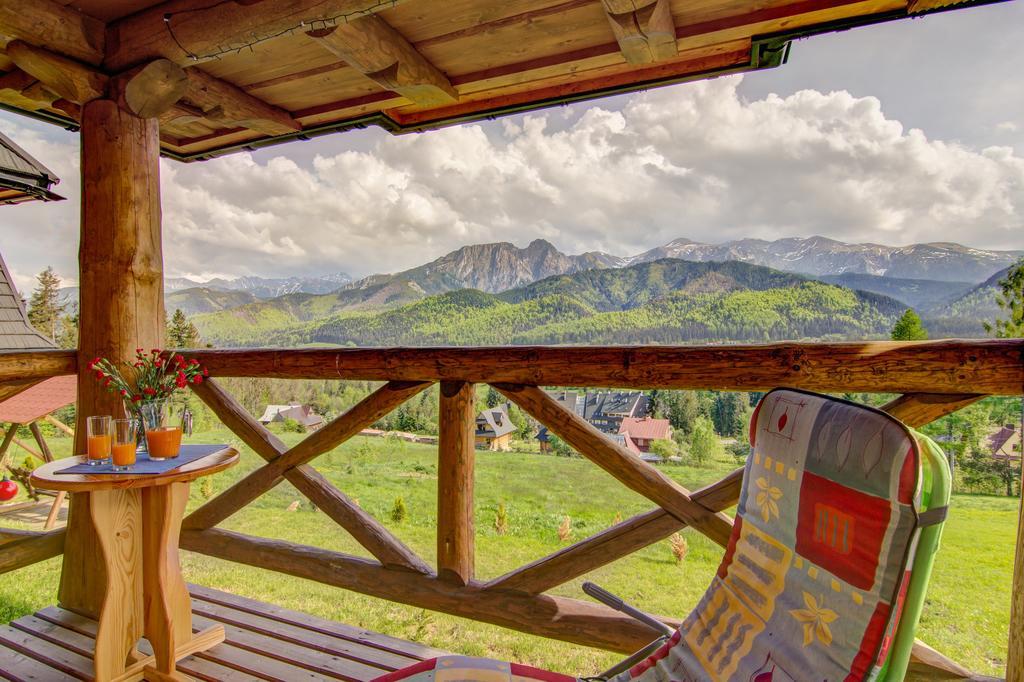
[1005, 443]
[645, 431]
[303, 414]
[494, 429]
[604, 409]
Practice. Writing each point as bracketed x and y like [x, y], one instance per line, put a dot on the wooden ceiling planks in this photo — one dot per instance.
[453, 59]
[700, 61]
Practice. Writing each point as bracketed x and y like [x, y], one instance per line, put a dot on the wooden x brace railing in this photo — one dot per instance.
[629, 469]
[283, 463]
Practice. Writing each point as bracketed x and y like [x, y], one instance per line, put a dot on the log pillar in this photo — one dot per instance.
[456, 451]
[1015, 661]
[121, 295]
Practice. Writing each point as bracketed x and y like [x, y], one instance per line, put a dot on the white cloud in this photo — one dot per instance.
[696, 160]
[1007, 127]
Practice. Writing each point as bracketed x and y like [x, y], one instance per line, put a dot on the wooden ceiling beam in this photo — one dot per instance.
[197, 30]
[149, 91]
[24, 91]
[19, 89]
[68, 78]
[228, 104]
[49, 24]
[644, 29]
[370, 45]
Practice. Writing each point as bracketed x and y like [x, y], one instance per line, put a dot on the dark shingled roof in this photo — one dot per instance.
[17, 334]
[493, 423]
[22, 178]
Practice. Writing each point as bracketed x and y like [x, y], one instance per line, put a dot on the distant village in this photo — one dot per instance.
[622, 416]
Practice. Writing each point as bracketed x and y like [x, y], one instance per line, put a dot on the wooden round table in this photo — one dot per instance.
[137, 518]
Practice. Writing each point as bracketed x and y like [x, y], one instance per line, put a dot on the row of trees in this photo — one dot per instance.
[965, 434]
[57, 319]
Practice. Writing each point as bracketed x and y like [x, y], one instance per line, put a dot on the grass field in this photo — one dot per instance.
[966, 615]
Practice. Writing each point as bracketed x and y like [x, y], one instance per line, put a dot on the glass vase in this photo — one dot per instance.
[163, 436]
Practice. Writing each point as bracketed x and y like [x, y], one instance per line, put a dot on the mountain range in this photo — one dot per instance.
[664, 301]
[264, 287]
[956, 294]
[940, 261]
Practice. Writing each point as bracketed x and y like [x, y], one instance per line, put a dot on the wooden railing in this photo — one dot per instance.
[934, 378]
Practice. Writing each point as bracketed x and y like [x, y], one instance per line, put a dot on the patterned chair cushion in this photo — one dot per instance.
[810, 585]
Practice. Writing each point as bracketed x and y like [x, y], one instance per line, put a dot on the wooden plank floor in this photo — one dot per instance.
[264, 642]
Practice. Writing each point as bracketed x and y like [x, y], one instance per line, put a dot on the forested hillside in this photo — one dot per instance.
[667, 301]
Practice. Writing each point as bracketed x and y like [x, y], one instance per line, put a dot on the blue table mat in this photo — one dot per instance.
[145, 465]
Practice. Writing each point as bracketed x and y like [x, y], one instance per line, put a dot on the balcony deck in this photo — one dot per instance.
[264, 642]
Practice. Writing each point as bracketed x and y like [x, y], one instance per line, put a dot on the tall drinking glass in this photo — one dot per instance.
[98, 432]
[163, 438]
[123, 449]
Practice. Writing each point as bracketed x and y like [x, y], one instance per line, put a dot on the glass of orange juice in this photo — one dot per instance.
[163, 439]
[98, 432]
[122, 451]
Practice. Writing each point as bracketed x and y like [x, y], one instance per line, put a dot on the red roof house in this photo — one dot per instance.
[643, 431]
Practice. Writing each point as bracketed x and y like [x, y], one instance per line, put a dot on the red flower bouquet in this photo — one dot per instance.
[146, 387]
[152, 377]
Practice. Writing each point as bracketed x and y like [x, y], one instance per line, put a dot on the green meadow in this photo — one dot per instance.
[966, 616]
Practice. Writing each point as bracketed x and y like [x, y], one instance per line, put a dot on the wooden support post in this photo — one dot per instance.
[1015, 659]
[457, 422]
[121, 295]
[58, 501]
[12, 431]
[41, 442]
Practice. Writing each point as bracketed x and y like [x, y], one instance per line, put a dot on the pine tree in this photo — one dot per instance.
[181, 333]
[44, 310]
[1010, 300]
[909, 328]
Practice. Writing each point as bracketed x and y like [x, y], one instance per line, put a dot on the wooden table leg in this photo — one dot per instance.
[116, 517]
[168, 606]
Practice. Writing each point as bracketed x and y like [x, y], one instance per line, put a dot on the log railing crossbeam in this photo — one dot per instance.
[571, 620]
[991, 366]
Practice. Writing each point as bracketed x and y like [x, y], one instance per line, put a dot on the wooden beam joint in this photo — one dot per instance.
[644, 29]
[370, 45]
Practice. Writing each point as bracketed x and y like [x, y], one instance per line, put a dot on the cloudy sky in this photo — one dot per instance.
[907, 132]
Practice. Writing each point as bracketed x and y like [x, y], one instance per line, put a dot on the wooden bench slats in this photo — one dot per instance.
[17, 667]
[325, 665]
[264, 642]
[412, 650]
[50, 655]
[379, 660]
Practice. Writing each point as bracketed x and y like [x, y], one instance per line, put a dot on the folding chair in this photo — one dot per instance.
[824, 576]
